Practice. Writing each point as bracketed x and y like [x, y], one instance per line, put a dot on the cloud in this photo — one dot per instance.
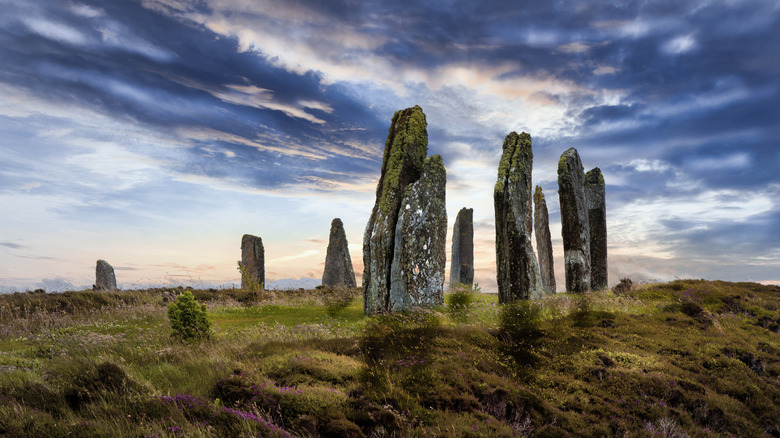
[12, 245]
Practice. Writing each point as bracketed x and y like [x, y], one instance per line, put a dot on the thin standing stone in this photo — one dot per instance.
[595, 192]
[543, 241]
[517, 268]
[574, 222]
[462, 260]
[104, 276]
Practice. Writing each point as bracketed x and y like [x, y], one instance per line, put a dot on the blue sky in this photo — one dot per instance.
[154, 133]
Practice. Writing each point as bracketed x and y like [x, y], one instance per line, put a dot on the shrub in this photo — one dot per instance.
[461, 298]
[188, 319]
[625, 286]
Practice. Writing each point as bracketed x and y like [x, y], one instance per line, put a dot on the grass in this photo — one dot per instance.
[689, 358]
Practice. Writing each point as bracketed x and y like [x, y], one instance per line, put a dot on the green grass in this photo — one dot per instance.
[687, 358]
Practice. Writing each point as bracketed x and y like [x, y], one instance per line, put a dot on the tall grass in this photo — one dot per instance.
[686, 358]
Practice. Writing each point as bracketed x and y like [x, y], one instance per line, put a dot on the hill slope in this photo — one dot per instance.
[687, 358]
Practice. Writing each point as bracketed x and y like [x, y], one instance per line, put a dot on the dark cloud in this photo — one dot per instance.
[11, 245]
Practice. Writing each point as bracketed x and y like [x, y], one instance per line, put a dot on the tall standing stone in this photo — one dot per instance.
[595, 193]
[419, 255]
[462, 260]
[402, 166]
[517, 269]
[253, 261]
[338, 264]
[104, 276]
[574, 222]
[543, 241]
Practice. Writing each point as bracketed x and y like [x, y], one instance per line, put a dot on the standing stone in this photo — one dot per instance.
[517, 269]
[595, 193]
[574, 222]
[338, 264]
[253, 261]
[402, 166]
[104, 276]
[419, 255]
[543, 242]
[462, 260]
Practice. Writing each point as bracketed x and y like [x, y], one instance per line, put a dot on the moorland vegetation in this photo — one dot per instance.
[689, 358]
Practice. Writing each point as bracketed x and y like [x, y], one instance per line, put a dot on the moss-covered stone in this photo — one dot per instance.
[517, 268]
[402, 166]
[574, 222]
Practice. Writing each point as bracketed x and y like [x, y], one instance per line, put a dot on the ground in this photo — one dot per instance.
[687, 358]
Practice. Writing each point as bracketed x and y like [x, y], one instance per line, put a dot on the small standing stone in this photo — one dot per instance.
[462, 260]
[574, 222]
[543, 241]
[419, 254]
[253, 261]
[338, 263]
[595, 192]
[517, 268]
[104, 276]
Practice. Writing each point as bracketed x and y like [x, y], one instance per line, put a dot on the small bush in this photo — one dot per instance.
[461, 299]
[624, 286]
[188, 319]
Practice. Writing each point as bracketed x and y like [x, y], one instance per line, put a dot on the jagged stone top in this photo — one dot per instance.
[594, 177]
[405, 151]
[563, 167]
[517, 152]
[538, 195]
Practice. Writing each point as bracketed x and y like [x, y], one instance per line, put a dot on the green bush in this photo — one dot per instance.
[188, 319]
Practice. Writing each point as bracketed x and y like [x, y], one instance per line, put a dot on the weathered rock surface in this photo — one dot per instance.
[402, 166]
[338, 263]
[253, 261]
[595, 194]
[574, 222]
[419, 256]
[104, 276]
[462, 259]
[543, 241]
[517, 268]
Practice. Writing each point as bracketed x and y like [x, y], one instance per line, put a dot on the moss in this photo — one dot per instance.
[517, 152]
[538, 196]
[405, 148]
[563, 167]
[595, 177]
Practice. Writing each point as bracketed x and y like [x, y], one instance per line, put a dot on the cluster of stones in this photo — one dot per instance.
[584, 226]
[405, 238]
[404, 241]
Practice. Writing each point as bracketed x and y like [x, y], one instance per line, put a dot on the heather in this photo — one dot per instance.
[687, 358]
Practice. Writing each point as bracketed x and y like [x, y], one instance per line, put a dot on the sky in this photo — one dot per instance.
[155, 133]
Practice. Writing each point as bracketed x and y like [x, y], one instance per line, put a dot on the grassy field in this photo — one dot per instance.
[688, 358]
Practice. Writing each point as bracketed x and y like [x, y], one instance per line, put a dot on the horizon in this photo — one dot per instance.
[153, 134]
